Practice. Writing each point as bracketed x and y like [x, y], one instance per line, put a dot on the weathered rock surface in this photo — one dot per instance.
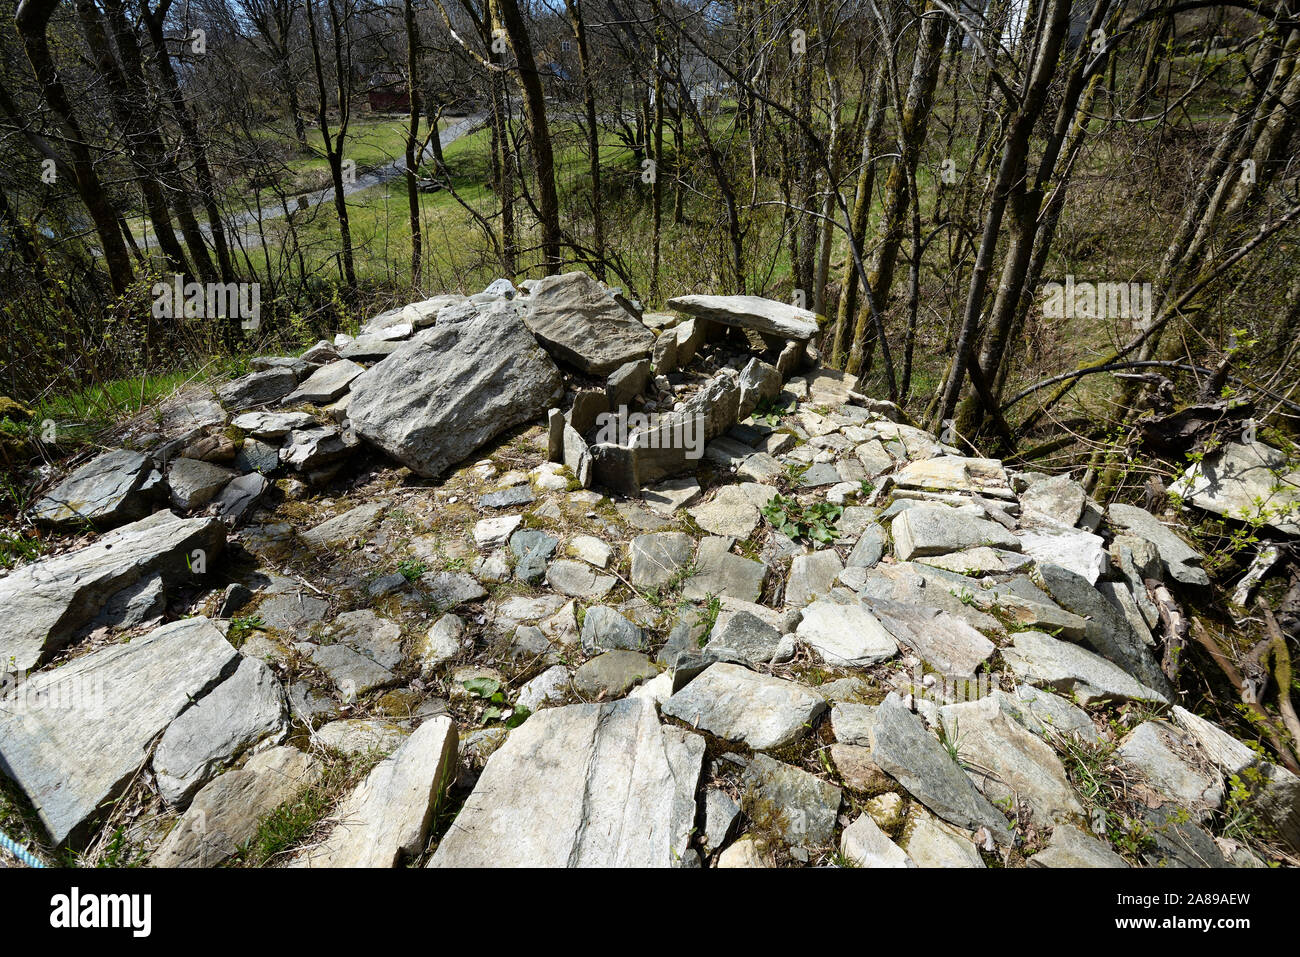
[906, 751]
[1076, 672]
[225, 815]
[387, 817]
[118, 486]
[845, 635]
[75, 736]
[46, 603]
[574, 318]
[1247, 483]
[735, 703]
[246, 709]
[765, 316]
[448, 391]
[620, 792]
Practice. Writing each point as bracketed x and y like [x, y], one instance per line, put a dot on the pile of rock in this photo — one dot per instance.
[657, 676]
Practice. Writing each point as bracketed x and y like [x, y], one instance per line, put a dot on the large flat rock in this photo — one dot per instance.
[44, 605]
[246, 709]
[765, 316]
[578, 322]
[118, 486]
[1248, 483]
[449, 390]
[74, 737]
[732, 702]
[1064, 667]
[387, 817]
[588, 785]
[845, 635]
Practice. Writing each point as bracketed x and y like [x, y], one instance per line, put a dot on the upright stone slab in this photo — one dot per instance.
[387, 817]
[588, 785]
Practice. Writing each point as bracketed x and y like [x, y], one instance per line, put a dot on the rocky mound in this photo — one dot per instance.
[604, 588]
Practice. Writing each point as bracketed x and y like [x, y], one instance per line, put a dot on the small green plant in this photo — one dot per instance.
[498, 709]
[243, 626]
[411, 569]
[769, 412]
[814, 522]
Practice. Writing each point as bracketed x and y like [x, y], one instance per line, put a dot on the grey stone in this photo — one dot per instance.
[441, 643]
[356, 737]
[550, 687]
[811, 577]
[765, 316]
[226, 814]
[1059, 498]
[820, 474]
[327, 383]
[306, 450]
[627, 382]
[1164, 756]
[352, 672]
[730, 512]
[257, 456]
[604, 629]
[744, 638]
[245, 710]
[386, 819]
[310, 706]
[448, 391]
[446, 590]
[845, 635]
[1047, 714]
[719, 573]
[377, 638]
[851, 723]
[579, 323]
[495, 532]
[1107, 632]
[1246, 482]
[906, 751]
[258, 388]
[868, 549]
[532, 550]
[292, 613]
[758, 381]
[241, 496]
[1182, 562]
[1080, 552]
[945, 642]
[761, 711]
[866, 845]
[1071, 847]
[69, 760]
[800, 807]
[930, 530]
[194, 483]
[579, 580]
[352, 525]
[1061, 666]
[521, 494]
[1007, 762]
[46, 604]
[118, 486]
[273, 425]
[612, 674]
[721, 813]
[620, 792]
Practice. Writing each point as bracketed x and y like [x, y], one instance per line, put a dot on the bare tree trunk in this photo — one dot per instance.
[593, 137]
[334, 144]
[32, 19]
[539, 134]
[413, 138]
